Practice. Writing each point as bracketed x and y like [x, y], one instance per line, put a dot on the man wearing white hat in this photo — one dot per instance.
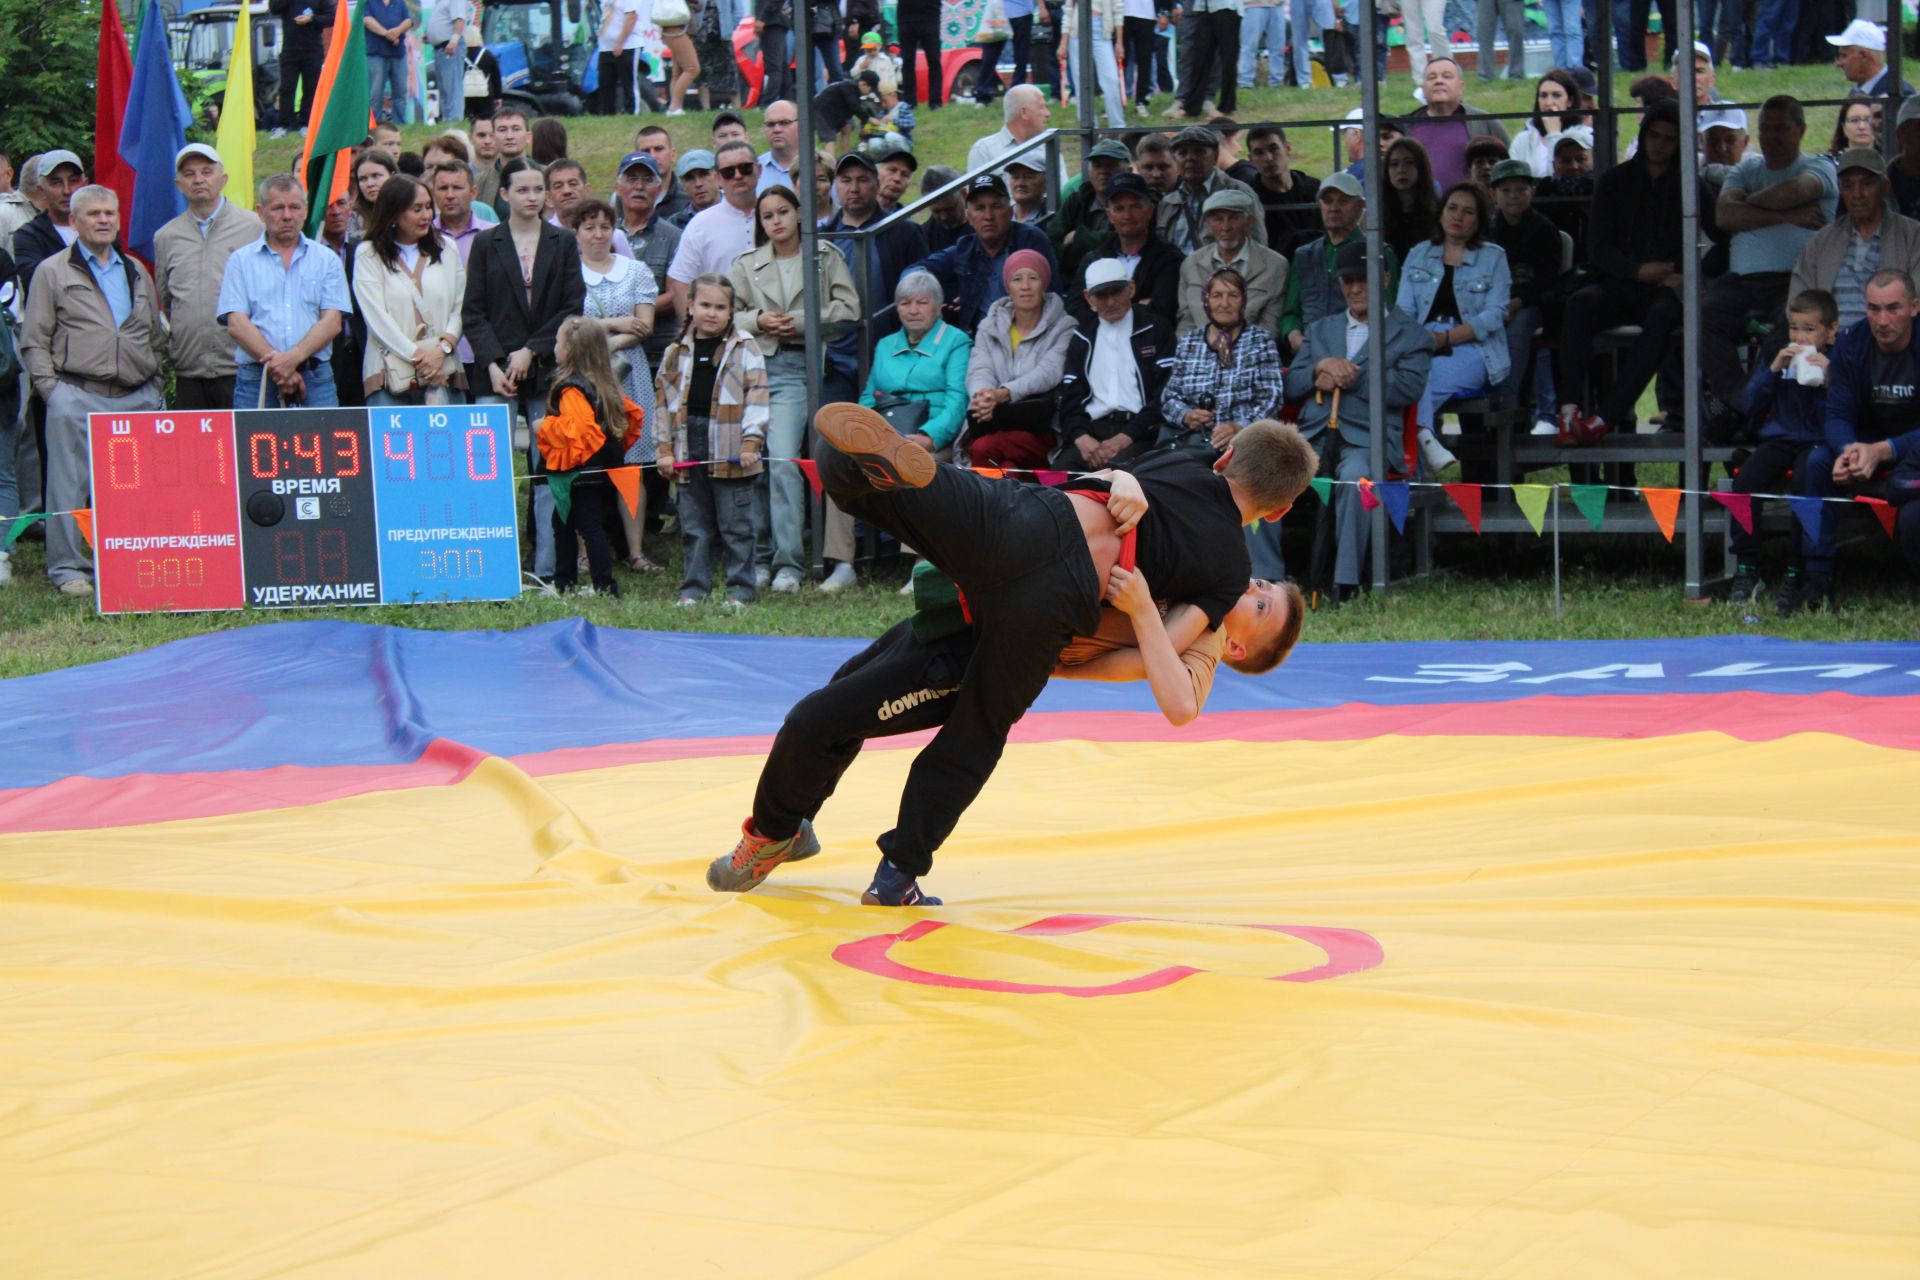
[1706, 94]
[1118, 362]
[1861, 54]
[189, 258]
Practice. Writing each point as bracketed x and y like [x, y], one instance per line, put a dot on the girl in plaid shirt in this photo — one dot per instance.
[1226, 373]
[713, 405]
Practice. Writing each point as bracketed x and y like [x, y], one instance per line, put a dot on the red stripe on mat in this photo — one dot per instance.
[82, 803]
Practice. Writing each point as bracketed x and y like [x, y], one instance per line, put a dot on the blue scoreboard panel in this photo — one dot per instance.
[336, 506]
[446, 519]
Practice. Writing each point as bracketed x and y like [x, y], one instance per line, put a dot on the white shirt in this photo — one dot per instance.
[997, 144]
[68, 235]
[614, 19]
[1111, 370]
[1356, 337]
[622, 247]
[713, 239]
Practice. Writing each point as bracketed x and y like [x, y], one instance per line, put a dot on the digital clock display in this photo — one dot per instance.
[447, 528]
[309, 534]
[166, 512]
[287, 508]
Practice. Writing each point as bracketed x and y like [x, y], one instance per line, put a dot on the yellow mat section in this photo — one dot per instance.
[1643, 1009]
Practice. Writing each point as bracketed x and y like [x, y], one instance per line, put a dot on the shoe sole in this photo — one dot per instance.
[889, 459]
[721, 875]
[868, 900]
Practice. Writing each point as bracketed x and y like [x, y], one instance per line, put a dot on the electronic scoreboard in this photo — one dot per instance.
[283, 508]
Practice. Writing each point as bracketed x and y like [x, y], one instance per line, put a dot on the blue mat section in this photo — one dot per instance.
[339, 693]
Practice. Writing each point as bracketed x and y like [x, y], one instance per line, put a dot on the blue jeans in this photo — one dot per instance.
[1720, 24]
[715, 515]
[1305, 13]
[248, 381]
[450, 77]
[1106, 71]
[1266, 26]
[1458, 375]
[1565, 31]
[780, 494]
[1773, 33]
[384, 76]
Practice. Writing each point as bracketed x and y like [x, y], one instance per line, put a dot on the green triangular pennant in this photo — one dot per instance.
[1533, 502]
[1592, 501]
[1323, 488]
[18, 527]
[560, 485]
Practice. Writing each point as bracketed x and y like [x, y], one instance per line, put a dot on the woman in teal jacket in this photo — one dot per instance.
[926, 360]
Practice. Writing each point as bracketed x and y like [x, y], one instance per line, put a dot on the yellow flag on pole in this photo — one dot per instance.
[235, 137]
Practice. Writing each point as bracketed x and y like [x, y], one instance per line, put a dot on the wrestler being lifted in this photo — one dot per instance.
[1032, 566]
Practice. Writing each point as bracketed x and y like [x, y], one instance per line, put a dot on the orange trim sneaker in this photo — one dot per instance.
[756, 855]
[889, 459]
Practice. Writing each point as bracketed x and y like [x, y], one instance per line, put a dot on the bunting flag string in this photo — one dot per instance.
[627, 481]
[1740, 507]
[1368, 498]
[1592, 501]
[1665, 505]
[1883, 511]
[1397, 496]
[1467, 498]
[1533, 502]
[84, 519]
[1322, 488]
[811, 470]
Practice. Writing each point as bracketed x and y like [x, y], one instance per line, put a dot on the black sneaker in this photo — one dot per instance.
[1786, 601]
[1816, 593]
[893, 887]
[1746, 586]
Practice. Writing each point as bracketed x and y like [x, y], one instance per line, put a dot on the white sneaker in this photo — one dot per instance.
[762, 577]
[1545, 427]
[906, 588]
[77, 587]
[731, 605]
[688, 601]
[1207, 109]
[6, 568]
[1436, 455]
[1141, 107]
[276, 133]
[677, 111]
[839, 580]
[786, 582]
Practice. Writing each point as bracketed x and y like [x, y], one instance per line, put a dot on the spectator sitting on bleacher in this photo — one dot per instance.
[1772, 203]
[1904, 170]
[1226, 373]
[1566, 197]
[1313, 287]
[1873, 408]
[1230, 218]
[1723, 144]
[1014, 372]
[1457, 285]
[1790, 396]
[1153, 161]
[1152, 263]
[1117, 365]
[971, 271]
[1083, 213]
[946, 220]
[1027, 189]
[1328, 378]
[1533, 249]
[1287, 198]
[1636, 253]
[1482, 155]
[1868, 236]
[1179, 220]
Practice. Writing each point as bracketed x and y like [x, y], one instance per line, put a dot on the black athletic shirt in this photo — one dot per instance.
[1191, 544]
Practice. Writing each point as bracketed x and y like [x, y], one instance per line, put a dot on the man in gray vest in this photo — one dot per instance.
[189, 258]
[1313, 289]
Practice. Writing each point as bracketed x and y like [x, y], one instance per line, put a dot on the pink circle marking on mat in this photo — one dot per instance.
[1347, 951]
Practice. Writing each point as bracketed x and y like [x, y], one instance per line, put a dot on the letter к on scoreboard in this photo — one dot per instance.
[286, 508]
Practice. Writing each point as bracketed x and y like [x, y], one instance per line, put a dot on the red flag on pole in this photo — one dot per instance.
[115, 82]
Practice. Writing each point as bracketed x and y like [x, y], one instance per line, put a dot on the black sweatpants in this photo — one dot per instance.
[1765, 471]
[919, 33]
[201, 394]
[1018, 554]
[1907, 530]
[295, 107]
[1601, 306]
[587, 520]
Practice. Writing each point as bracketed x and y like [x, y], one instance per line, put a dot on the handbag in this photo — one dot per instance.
[671, 13]
[903, 415]
[994, 27]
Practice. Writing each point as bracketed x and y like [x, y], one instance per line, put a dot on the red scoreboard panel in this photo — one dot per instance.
[166, 512]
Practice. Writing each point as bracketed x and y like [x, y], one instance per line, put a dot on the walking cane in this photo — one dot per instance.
[1319, 566]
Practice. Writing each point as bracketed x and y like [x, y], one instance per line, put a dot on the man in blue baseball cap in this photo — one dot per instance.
[696, 176]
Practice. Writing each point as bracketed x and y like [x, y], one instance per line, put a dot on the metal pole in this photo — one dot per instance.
[1692, 477]
[1605, 133]
[1377, 302]
[1891, 92]
[1556, 553]
[1083, 91]
[816, 347]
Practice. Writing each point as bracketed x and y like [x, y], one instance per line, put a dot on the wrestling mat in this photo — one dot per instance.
[330, 950]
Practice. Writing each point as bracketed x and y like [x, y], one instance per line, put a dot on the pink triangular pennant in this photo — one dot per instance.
[1051, 479]
[1368, 498]
[1740, 505]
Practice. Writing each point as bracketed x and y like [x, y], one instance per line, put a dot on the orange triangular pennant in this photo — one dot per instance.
[991, 473]
[1466, 497]
[1665, 505]
[1882, 510]
[627, 481]
[811, 470]
[84, 518]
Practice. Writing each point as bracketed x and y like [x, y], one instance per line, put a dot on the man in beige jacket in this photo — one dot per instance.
[189, 257]
[92, 344]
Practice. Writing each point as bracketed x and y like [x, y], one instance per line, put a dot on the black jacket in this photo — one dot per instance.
[1636, 219]
[303, 42]
[1156, 279]
[1533, 256]
[33, 244]
[496, 316]
[1153, 344]
[1903, 486]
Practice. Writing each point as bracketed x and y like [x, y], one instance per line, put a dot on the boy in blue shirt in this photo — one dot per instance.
[1793, 407]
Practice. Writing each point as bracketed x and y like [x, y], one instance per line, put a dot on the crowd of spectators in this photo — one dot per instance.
[1167, 296]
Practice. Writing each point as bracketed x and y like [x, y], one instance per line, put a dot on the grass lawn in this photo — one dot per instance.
[1497, 588]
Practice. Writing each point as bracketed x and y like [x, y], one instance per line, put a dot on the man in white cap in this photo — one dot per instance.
[1861, 54]
[1118, 362]
[1705, 92]
[50, 231]
[189, 258]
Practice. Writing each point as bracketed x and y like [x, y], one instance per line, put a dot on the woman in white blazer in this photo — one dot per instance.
[409, 287]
